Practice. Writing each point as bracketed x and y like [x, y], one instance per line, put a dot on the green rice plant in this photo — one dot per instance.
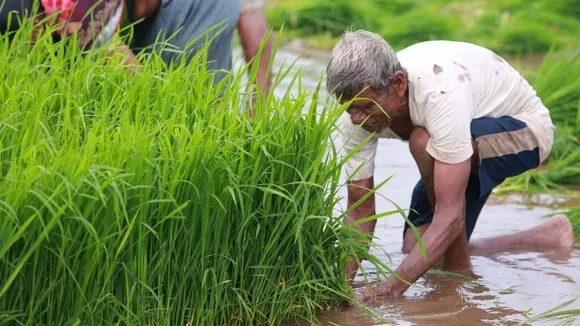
[568, 8]
[152, 198]
[536, 31]
[422, 24]
[557, 82]
[574, 215]
[331, 17]
[507, 27]
[556, 314]
[521, 37]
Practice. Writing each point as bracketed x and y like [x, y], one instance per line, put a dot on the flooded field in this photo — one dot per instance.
[509, 284]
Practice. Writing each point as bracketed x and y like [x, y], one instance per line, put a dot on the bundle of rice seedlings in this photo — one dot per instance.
[152, 198]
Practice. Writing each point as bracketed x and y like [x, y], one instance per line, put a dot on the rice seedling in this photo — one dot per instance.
[429, 22]
[520, 28]
[329, 17]
[574, 215]
[558, 313]
[152, 198]
[557, 82]
[567, 8]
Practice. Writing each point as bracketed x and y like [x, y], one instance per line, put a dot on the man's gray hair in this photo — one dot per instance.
[360, 59]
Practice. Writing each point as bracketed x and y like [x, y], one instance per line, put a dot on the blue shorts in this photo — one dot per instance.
[506, 147]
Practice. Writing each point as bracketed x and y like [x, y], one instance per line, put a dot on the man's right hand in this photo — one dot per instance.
[357, 190]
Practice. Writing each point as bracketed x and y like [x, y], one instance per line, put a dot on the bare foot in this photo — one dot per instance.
[556, 232]
[560, 230]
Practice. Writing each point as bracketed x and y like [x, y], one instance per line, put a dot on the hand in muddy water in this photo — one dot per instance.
[369, 294]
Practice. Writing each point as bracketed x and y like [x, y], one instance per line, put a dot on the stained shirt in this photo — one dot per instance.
[450, 84]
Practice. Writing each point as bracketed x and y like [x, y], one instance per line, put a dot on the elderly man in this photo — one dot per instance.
[471, 121]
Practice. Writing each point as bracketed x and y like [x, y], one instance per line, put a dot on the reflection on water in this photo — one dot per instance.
[507, 284]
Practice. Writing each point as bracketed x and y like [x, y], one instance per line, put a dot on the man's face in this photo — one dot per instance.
[371, 110]
[375, 110]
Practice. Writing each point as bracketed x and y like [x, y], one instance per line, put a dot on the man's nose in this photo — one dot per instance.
[357, 117]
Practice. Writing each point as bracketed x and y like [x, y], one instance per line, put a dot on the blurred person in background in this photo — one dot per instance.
[174, 22]
[183, 21]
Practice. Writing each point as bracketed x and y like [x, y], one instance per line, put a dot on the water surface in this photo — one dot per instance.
[507, 284]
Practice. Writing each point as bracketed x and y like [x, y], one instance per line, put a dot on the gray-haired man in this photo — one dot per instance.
[471, 121]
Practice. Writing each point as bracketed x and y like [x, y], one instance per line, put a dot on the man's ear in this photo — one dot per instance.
[399, 83]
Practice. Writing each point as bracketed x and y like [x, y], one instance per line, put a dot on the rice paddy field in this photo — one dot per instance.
[153, 198]
[540, 38]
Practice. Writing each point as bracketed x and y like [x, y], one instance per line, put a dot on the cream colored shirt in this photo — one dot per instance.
[450, 84]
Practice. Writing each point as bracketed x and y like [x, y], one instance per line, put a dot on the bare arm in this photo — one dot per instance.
[450, 182]
[252, 27]
[357, 190]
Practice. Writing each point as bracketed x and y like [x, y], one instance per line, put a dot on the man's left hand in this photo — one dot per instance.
[369, 294]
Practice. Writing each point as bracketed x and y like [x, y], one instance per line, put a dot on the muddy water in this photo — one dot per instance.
[508, 284]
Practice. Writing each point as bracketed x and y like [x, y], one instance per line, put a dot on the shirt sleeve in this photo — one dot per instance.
[448, 121]
[361, 165]
[249, 5]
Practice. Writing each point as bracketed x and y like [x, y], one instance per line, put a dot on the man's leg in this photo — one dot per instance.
[421, 214]
[557, 232]
[507, 149]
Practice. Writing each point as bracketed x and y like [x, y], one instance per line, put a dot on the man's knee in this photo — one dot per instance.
[409, 239]
[418, 140]
[409, 242]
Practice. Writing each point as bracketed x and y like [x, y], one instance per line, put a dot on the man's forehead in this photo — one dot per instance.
[357, 101]
[362, 96]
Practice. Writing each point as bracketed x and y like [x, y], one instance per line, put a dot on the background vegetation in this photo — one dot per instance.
[508, 27]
